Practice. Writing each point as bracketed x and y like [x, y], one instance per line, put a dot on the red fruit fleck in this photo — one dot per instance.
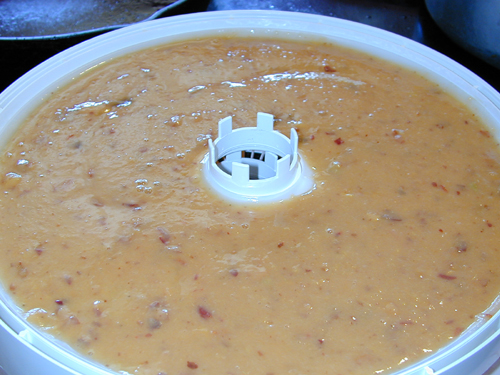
[59, 302]
[131, 205]
[192, 365]
[164, 235]
[233, 272]
[406, 322]
[329, 69]
[204, 313]
[447, 277]
[280, 244]
[485, 133]
[339, 141]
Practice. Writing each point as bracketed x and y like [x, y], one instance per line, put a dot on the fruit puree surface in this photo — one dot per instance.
[112, 242]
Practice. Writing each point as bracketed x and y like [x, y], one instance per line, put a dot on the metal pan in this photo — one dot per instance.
[21, 52]
[53, 19]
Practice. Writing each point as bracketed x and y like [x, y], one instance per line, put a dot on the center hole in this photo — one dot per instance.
[255, 159]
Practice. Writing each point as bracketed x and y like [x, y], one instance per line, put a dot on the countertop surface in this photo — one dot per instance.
[408, 18]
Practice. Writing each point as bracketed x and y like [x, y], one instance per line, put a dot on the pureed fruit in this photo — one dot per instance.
[112, 242]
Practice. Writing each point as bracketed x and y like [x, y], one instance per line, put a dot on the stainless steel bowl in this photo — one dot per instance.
[473, 24]
[52, 19]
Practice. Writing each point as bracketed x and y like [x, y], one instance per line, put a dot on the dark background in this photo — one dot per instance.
[408, 18]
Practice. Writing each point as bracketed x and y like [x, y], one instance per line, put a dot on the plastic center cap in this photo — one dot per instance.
[256, 164]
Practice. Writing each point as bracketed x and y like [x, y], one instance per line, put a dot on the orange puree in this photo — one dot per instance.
[112, 242]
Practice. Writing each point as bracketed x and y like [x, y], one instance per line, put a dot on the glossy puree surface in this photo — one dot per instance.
[112, 242]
